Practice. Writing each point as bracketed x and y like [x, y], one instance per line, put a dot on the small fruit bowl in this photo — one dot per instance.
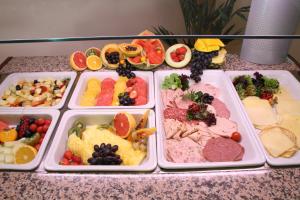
[24, 136]
[36, 90]
[76, 137]
[85, 91]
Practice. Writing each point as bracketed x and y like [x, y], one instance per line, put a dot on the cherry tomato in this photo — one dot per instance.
[76, 159]
[236, 136]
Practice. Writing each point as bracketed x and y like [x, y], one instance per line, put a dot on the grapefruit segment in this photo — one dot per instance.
[78, 61]
[124, 124]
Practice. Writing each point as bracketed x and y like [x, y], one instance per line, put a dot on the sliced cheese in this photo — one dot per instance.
[289, 153]
[276, 141]
[288, 106]
[283, 94]
[260, 111]
[292, 123]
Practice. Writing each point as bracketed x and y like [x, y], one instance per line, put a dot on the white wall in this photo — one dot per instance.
[67, 18]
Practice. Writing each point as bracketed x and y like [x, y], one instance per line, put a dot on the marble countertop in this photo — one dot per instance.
[262, 182]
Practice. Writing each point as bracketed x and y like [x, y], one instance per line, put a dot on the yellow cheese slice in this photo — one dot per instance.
[260, 111]
[288, 107]
[275, 141]
[289, 153]
[292, 123]
[283, 94]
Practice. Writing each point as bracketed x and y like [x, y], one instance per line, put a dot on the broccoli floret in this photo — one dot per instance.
[248, 79]
[271, 85]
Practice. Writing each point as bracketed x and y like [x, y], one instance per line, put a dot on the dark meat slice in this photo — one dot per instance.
[222, 150]
[175, 113]
[220, 108]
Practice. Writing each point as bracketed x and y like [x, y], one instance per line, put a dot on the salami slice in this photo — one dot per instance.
[222, 150]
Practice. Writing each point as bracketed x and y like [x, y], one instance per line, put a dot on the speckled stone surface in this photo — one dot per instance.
[263, 182]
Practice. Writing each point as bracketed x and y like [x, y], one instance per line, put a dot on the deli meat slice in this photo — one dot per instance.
[222, 150]
[183, 151]
[172, 127]
[169, 96]
[221, 109]
[205, 88]
[182, 103]
[224, 127]
[175, 113]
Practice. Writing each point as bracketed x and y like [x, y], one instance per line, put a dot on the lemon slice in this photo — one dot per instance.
[93, 62]
[25, 154]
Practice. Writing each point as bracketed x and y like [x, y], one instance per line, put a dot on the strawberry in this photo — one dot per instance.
[39, 129]
[68, 155]
[33, 128]
[40, 121]
[64, 161]
[76, 159]
[48, 121]
[173, 55]
[45, 128]
[37, 146]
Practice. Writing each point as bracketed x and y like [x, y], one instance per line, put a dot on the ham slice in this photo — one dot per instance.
[222, 150]
[224, 127]
[205, 88]
[169, 96]
[221, 109]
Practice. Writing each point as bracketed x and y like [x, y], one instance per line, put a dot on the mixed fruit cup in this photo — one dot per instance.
[123, 141]
[20, 144]
[34, 93]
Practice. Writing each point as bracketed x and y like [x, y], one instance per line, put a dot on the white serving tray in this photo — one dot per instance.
[253, 154]
[91, 117]
[287, 80]
[12, 118]
[82, 82]
[15, 77]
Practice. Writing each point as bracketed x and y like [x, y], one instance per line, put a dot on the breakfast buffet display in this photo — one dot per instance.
[199, 125]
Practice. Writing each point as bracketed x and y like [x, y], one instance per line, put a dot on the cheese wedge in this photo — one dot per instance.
[292, 123]
[260, 111]
[277, 141]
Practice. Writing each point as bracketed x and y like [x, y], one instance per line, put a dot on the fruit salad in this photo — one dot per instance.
[39, 92]
[121, 142]
[20, 144]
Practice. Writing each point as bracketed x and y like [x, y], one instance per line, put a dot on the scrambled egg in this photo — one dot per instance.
[92, 135]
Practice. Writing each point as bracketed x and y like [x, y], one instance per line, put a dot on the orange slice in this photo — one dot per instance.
[94, 62]
[24, 154]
